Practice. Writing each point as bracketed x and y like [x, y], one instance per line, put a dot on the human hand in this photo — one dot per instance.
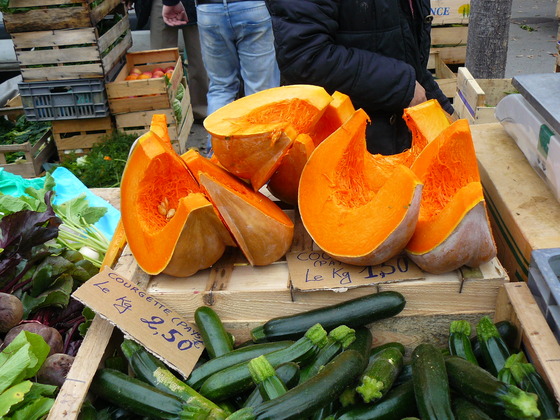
[419, 95]
[174, 15]
[129, 4]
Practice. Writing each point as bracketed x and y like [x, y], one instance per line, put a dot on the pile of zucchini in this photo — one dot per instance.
[320, 364]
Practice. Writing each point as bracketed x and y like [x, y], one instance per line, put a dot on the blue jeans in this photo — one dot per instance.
[237, 44]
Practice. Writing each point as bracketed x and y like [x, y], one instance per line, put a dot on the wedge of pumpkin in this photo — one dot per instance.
[355, 210]
[252, 134]
[260, 228]
[453, 227]
[170, 225]
[283, 184]
[336, 113]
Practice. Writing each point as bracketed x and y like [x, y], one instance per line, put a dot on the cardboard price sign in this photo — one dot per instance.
[313, 270]
[147, 320]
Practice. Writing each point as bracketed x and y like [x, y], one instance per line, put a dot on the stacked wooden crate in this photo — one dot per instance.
[450, 29]
[133, 102]
[67, 50]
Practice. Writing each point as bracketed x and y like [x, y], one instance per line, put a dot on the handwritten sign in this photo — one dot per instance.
[313, 270]
[143, 317]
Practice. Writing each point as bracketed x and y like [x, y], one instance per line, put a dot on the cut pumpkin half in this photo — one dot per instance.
[336, 113]
[170, 225]
[252, 134]
[260, 228]
[453, 227]
[352, 208]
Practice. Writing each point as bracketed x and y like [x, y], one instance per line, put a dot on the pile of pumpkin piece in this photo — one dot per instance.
[309, 149]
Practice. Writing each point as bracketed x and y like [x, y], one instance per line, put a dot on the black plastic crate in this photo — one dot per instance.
[64, 99]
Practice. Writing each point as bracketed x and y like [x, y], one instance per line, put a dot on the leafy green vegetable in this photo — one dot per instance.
[22, 358]
[21, 132]
[104, 165]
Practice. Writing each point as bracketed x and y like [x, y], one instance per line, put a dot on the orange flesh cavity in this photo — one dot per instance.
[348, 204]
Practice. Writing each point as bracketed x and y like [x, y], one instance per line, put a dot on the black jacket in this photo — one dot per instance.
[371, 50]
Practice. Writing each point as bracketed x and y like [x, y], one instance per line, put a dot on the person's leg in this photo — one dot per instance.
[161, 35]
[196, 73]
[219, 55]
[255, 45]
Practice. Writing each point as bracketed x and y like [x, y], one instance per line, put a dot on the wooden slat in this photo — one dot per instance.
[449, 35]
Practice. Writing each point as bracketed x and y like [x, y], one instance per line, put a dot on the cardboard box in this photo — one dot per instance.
[523, 211]
[450, 12]
[76, 53]
[476, 99]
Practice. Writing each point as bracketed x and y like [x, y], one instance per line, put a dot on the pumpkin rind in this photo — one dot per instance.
[453, 228]
[252, 134]
[355, 211]
[260, 228]
[283, 184]
[182, 244]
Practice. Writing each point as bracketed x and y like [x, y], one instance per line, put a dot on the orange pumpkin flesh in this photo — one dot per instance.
[252, 134]
[336, 113]
[426, 121]
[155, 183]
[283, 184]
[261, 229]
[353, 210]
[453, 228]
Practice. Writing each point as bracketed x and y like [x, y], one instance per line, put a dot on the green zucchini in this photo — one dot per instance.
[242, 354]
[352, 313]
[381, 347]
[465, 410]
[507, 331]
[431, 387]
[528, 379]
[337, 340]
[153, 371]
[494, 397]
[460, 341]
[310, 396]
[237, 379]
[405, 375]
[217, 340]
[288, 374]
[139, 397]
[493, 348]
[362, 343]
[265, 378]
[380, 375]
[398, 403]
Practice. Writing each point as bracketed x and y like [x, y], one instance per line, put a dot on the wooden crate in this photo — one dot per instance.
[476, 99]
[126, 96]
[35, 156]
[44, 15]
[450, 42]
[13, 109]
[72, 53]
[523, 211]
[450, 12]
[444, 76]
[78, 136]
[138, 123]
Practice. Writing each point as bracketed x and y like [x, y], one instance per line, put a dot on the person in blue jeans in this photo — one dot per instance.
[237, 45]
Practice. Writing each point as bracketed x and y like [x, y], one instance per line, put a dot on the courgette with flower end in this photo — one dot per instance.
[216, 339]
[288, 373]
[431, 386]
[494, 397]
[528, 379]
[140, 398]
[265, 378]
[306, 398]
[493, 348]
[153, 371]
[239, 355]
[237, 379]
[507, 331]
[352, 313]
[337, 340]
[398, 403]
[380, 375]
[460, 341]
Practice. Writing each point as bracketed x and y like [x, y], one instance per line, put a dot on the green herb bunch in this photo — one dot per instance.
[103, 166]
